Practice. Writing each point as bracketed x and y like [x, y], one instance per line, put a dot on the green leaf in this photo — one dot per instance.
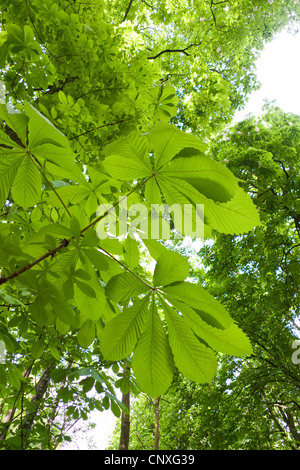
[49, 294]
[112, 245]
[62, 327]
[167, 103]
[124, 169]
[41, 130]
[95, 374]
[194, 360]
[209, 177]
[75, 227]
[54, 352]
[170, 267]
[152, 361]
[14, 375]
[115, 409]
[237, 216]
[89, 294]
[98, 259]
[8, 142]
[23, 41]
[61, 156]
[134, 147]
[152, 192]
[9, 165]
[92, 307]
[155, 248]
[124, 286]
[132, 254]
[55, 230]
[198, 298]
[27, 185]
[167, 141]
[16, 121]
[69, 194]
[3, 375]
[38, 349]
[121, 334]
[86, 334]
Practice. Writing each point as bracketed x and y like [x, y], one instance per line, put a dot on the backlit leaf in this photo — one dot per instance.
[124, 286]
[27, 185]
[120, 335]
[170, 267]
[152, 361]
[193, 359]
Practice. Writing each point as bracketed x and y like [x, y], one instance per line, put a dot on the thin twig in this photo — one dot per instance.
[127, 269]
[183, 51]
[36, 31]
[99, 127]
[127, 11]
[50, 184]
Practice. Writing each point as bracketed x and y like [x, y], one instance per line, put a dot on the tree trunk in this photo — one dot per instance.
[41, 388]
[156, 428]
[125, 417]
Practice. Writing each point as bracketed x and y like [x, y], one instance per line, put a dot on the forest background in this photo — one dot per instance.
[97, 72]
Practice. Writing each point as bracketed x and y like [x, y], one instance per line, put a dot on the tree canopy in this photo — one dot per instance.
[103, 104]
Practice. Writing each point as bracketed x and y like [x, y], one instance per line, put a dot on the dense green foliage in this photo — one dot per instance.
[99, 103]
[253, 403]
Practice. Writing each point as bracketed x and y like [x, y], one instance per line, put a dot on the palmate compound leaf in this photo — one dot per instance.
[197, 324]
[18, 166]
[183, 175]
[122, 332]
[50, 297]
[152, 361]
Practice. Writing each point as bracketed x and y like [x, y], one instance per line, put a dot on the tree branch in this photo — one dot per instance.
[166, 51]
[183, 51]
[127, 11]
[34, 263]
[219, 3]
[66, 242]
[99, 127]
